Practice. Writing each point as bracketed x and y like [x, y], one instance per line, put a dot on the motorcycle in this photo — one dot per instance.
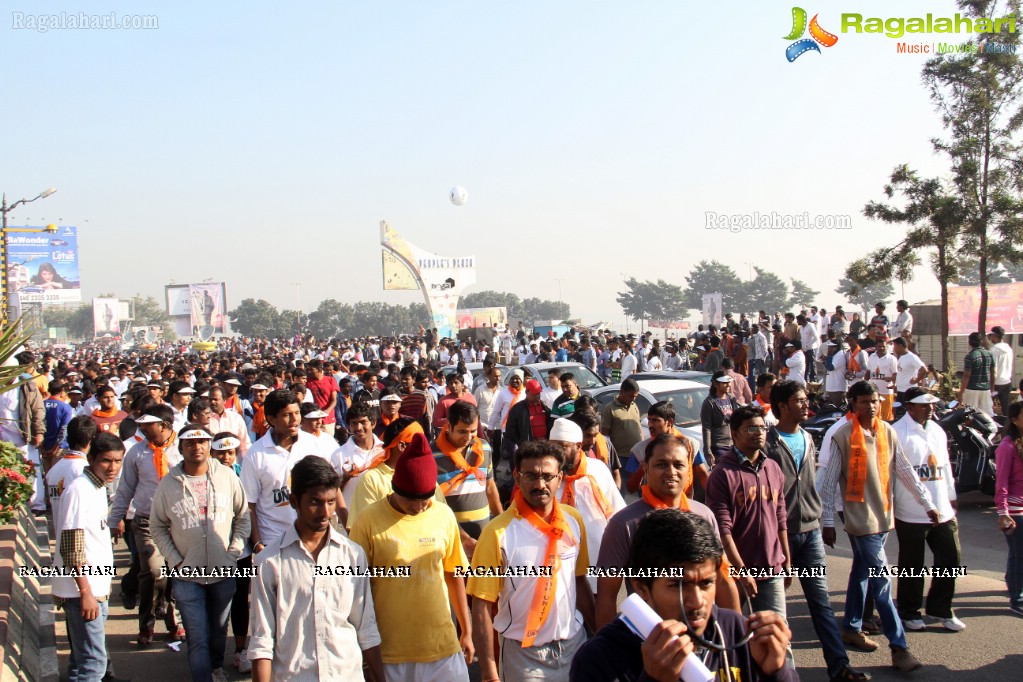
[972, 440]
[822, 417]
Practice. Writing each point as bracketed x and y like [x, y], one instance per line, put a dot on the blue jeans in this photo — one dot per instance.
[1014, 566]
[807, 551]
[770, 596]
[88, 659]
[810, 373]
[756, 368]
[204, 610]
[868, 553]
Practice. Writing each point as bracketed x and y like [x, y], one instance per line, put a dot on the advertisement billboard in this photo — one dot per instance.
[474, 318]
[178, 302]
[1004, 308]
[42, 267]
[397, 277]
[105, 317]
[207, 306]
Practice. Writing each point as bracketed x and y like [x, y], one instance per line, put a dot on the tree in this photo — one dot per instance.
[653, 300]
[978, 95]
[865, 295]
[253, 317]
[330, 319]
[711, 277]
[934, 217]
[541, 310]
[494, 299]
[802, 295]
[766, 292]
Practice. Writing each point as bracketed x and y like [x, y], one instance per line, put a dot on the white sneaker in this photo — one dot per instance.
[220, 675]
[242, 662]
[916, 625]
[953, 624]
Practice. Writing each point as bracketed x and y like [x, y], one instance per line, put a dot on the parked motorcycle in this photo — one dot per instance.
[822, 417]
[972, 440]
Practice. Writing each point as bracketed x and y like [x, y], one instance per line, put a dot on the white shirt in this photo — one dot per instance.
[824, 454]
[10, 411]
[927, 451]
[653, 364]
[350, 456]
[58, 479]
[886, 365]
[909, 366]
[628, 365]
[1003, 363]
[266, 478]
[549, 395]
[502, 404]
[594, 521]
[325, 445]
[797, 366]
[84, 506]
[903, 323]
[485, 399]
[810, 336]
[835, 380]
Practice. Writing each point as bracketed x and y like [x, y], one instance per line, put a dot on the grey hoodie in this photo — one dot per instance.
[178, 531]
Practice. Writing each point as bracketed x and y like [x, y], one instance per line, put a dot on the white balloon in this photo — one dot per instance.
[459, 195]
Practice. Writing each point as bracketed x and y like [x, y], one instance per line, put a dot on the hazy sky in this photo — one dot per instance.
[261, 144]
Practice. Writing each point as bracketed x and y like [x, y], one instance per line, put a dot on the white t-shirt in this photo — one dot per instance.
[266, 478]
[58, 479]
[909, 366]
[628, 365]
[594, 521]
[84, 506]
[797, 366]
[835, 380]
[350, 456]
[882, 366]
[653, 364]
[927, 451]
[1003, 363]
[549, 395]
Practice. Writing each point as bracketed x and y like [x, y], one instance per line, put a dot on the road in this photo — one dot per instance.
[988, 649]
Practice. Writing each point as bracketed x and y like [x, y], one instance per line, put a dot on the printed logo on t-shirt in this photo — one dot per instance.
[282, 494]
[930, 471]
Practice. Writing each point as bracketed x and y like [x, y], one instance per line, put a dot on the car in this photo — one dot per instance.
[687, 397]
[585, 377]
[474, 368]
[691, 375]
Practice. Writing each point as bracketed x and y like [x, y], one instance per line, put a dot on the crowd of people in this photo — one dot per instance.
[371, 509]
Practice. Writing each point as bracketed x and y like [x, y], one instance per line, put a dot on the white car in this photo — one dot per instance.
[686, 396]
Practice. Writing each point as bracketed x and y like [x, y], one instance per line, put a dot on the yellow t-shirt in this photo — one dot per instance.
[373, 486]
[510, 543]
[413, 614]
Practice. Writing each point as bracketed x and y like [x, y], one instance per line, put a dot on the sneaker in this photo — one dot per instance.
[915, 624]
[858, 640]
[903, 661]
[850, 674]
[220, 675]
[242, 662]
[953, 624]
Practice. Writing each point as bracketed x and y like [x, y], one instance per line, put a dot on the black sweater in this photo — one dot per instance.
[802, 502]
[613, 654]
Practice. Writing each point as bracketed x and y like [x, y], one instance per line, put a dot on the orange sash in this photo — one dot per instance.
[546, 587]
[600, 447]
[766, 407]
[467, 470]
[233, 403]
[259, 425]
[858, 462]
[106, 414]
[568, 496]
[386, 421]
[657, 503]
[854, 364]
[515, 399]
[159, 460]
[405, 436]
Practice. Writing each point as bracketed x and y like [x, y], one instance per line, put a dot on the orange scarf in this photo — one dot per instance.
[386, 421]
[405, 436]
[600, 447]
[568, 496]
[515, 393]
[657, 503]
[766, 407]
[106, 414]
[546, 589]
[259, 425]
[858, 462]
[854, 364]
[159, 460]
[467, 470]
[233, 403]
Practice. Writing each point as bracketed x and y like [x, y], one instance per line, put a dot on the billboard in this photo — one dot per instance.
[712, 309]
[207, 306]
[470, 318]
[178, 302]
[397, 277]
[105, 317]
[43, 267]
[1004, 308]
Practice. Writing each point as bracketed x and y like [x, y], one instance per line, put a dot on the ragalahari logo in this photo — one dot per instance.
[817, 35]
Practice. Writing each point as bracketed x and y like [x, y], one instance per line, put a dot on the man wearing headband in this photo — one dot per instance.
[145, 465]
[389, 409]
[410, 528]
[200, 522]
[926, 448]
[312, 423]
[375, 482]
[667, 541]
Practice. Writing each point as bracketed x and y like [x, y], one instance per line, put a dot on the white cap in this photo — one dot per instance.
[148, 419]
[186, 389]
[724, 379]
[567, 431]
[195, 434]
[226, 443]
[233, 381]
[258, 387]
[925, 399]
[315, 414]
[390, 398]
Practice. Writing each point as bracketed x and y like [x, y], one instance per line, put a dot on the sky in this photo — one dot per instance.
[261, 144]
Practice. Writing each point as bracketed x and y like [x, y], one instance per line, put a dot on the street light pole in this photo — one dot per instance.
[298, 296]
[5, 209]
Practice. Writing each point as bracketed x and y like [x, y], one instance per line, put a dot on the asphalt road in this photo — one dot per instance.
[989, 649]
